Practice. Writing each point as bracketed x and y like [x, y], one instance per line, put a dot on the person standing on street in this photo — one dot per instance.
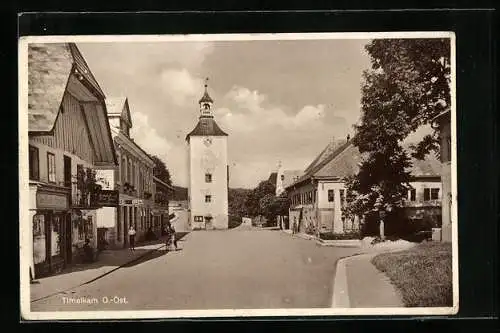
[131, 236]
[172, 234]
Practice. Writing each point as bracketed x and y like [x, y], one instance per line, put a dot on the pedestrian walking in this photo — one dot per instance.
[131, 237]
[172, 234]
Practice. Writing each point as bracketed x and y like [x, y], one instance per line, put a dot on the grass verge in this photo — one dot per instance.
[423, 274]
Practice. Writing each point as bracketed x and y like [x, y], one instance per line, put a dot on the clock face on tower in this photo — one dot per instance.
[207, 141]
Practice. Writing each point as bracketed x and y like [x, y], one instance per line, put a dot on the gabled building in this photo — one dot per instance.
[69, 137]
[132, 178]
[318, 196]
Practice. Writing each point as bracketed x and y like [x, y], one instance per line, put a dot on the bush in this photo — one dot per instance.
[337, 236]
[234, 221]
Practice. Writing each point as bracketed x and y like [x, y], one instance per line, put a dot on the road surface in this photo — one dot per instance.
[234, 269]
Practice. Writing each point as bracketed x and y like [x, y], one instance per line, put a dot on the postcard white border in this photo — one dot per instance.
[24, 200]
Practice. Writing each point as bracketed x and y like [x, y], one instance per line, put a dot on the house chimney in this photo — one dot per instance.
[348, 137]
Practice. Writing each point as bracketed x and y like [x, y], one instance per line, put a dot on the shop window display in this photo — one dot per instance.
[39, 243]
[56, 236]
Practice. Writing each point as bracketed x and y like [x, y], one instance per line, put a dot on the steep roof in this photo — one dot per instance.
[118, 106]
[49, 68]
[345, 160]
[429, 167]
[290, 176]
[206, 98]
[206, 127]
[342, 163]
[324, 155]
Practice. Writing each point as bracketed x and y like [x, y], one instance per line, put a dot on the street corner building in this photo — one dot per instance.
[318, 194]
[142, 202]
[208, 171]
[69, 138]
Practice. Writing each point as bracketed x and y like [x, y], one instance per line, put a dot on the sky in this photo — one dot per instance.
[277, 100]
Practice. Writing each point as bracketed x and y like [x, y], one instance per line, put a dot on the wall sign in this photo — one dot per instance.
[108, 198]
[52, 201]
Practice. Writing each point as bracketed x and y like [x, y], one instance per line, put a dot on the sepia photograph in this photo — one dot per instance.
[237, 175]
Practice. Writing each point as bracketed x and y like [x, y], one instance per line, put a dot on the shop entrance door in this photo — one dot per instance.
[125, 227]
[68, 238]
[208, 222]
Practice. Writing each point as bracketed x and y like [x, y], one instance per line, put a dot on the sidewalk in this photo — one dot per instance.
[359, 284]
[368, 287]
[79, 274]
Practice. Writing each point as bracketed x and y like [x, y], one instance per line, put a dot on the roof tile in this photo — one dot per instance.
[206, 127]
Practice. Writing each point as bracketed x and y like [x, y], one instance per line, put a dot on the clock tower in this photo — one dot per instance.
[208, 170]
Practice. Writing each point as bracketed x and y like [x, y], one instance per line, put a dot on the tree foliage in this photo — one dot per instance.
[253, 200]
[407, 85]
[160, 170]
[272, 206]
[237, 201]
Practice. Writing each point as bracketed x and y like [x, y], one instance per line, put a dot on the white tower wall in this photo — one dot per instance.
[210, 159]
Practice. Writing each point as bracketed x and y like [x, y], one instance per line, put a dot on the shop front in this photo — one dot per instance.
[51, 231]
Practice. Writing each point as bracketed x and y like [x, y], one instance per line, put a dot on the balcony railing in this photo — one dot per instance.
[417, 204]
[83, 199]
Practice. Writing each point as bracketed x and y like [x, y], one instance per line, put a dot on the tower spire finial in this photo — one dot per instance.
[206, 83]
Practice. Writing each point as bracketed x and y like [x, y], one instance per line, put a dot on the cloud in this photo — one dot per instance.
[250, 111]
[262, 133]
[173, 154]
[148, 138]
[180, 86]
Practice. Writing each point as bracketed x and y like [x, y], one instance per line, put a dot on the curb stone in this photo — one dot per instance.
[340, 295]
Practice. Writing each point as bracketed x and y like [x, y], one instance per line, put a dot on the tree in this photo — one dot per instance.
[407, 85]
[252, 202]
[267, 205]
[160, 170]
[237, 201]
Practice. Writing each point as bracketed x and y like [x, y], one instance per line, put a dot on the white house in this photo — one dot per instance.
[318, 196]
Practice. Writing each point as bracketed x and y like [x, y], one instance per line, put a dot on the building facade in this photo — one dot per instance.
[160, 220]
[319, 195]
[132, 178]
[443, 123]
[423, 203]
[208, 171]
[69, 138]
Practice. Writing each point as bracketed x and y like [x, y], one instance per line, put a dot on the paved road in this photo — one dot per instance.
[216, 270]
